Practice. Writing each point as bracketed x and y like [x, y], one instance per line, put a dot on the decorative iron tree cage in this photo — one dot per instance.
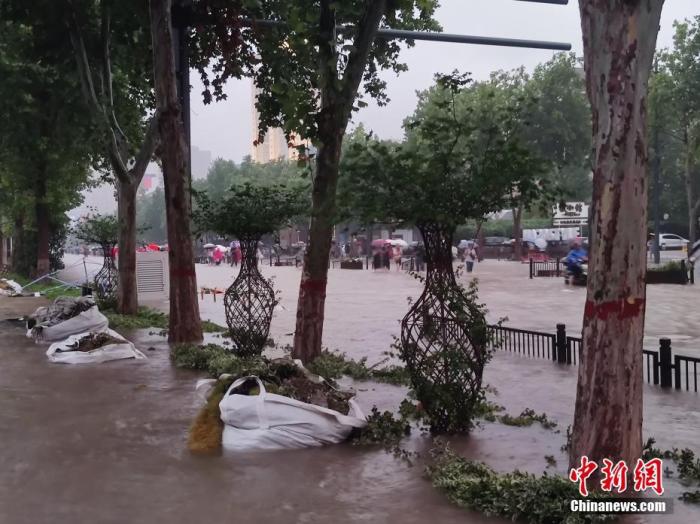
[107, 278]
[443, 339]
[249, 303]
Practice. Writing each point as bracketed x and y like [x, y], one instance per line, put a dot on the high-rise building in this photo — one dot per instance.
[275, 145]
[201, 162]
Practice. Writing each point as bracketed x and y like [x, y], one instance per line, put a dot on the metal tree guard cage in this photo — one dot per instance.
[249, 303]
[107, 278]
[443, 340]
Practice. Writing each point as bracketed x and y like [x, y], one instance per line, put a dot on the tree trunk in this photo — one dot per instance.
[312, 290]
[42, 226]
[689, 190]
[338, 94]
[517, 233]
[2, 251]
[185, 324]
[127, 296]
[18, 244]
[619, 41]
[480, 240]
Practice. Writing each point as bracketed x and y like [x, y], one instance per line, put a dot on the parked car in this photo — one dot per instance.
[496, 241]
[669, 241]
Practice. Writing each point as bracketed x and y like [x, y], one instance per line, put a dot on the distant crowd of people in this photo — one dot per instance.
[382, 257]
[231, 255]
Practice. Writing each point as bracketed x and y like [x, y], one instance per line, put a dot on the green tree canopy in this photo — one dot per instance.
[462, 158]
[225, 173]
[47, 141]
[249, 211]
[675, 124]
[284, 59]
[98, 229]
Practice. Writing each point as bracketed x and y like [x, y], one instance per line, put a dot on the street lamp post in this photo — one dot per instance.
[657, 190]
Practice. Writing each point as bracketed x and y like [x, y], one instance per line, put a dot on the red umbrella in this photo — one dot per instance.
[153, 247]
[380, 242]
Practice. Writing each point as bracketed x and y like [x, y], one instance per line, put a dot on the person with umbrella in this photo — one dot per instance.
[470, 257]
[377, 247]
[462, 249]
[397, 251]
[387, 254]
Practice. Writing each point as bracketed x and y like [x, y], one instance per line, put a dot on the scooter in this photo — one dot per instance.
[580, 279]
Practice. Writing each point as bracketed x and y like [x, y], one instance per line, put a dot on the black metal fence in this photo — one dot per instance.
[549, 268]
[661, 367]
[533, 344]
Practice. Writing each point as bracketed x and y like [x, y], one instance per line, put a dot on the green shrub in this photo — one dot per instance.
[516, 496]
[145, 318]
[687, 466]
[382, 428]
[333, 365]
[192, 356]
[527, 418]
[148, 318]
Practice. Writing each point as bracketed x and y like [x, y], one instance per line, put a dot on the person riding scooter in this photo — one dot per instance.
[574, 261]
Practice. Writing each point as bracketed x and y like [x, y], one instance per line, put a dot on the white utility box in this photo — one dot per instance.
[152, 276]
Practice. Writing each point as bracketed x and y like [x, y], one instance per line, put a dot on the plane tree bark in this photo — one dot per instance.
[185, 324]
[336, 107]
[619, 40]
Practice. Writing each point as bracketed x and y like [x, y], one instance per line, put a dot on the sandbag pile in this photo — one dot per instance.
[257, 419]
[93, 348]
[65, 317]
[79, 332]
[9, 287]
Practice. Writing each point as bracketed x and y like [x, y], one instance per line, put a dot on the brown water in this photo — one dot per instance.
[106, 443]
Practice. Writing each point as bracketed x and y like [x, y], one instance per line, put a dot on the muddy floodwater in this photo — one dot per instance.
[107, 443]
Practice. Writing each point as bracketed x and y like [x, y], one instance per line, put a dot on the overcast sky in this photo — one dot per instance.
[225, 128]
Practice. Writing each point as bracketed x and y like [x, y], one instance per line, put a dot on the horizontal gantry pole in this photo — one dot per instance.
[469, 39]
[445, 37]
[555, 2]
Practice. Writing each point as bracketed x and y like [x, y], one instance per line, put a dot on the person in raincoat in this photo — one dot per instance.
[470, 257]
[576, 257]
[218, 255]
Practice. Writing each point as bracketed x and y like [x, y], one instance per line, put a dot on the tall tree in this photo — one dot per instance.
[559, 129]
[308, 71]
[45, 140]
[112, 52]
[463, 157]
[666, 148]
[185, 324]
[677, 84]
[619, 38]
[556, 126]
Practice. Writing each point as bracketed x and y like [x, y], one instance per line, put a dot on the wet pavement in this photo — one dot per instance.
[107, 443]
[363, 308]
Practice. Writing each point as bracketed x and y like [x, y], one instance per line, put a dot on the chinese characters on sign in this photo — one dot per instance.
[647, 475]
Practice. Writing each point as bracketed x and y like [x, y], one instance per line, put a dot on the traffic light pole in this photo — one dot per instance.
[182, 21]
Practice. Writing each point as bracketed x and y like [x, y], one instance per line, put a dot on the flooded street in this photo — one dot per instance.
[107, 443]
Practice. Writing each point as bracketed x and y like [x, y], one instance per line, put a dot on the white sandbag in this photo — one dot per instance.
[90, 320]
[60, 352]
[10, 287]
[268, 421]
